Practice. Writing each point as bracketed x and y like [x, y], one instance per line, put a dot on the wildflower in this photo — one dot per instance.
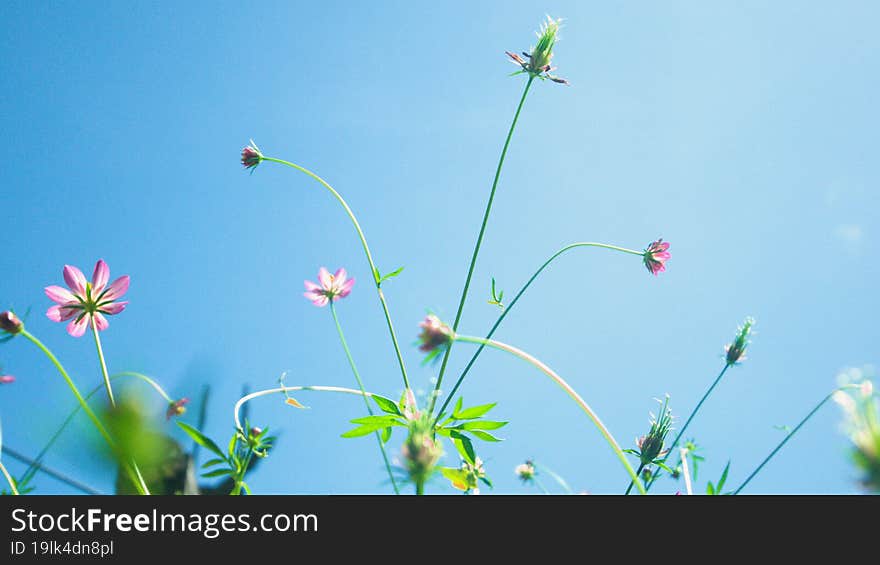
[86, 301]
[6, 379]
[526, 471]
[656, 255]
[651, 445]
[251, 156]
[537, 63]
[863, 428]
[736, 352]
[331, 287]
[176, 408]
[421, 450]
[10, 323]
[435, 335]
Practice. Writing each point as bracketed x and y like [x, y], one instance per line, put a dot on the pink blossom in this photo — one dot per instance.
[6, 379]
[10, 323]
[435, 334]
[84, 301]
[656, 256]
[330, 288]
[251, 156]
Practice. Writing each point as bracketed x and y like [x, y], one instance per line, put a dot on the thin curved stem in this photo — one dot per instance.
[36, 462]
[516, 298]
[631, 483]
[360, 383]
[789, 436]
[134, 474]
[374, 271]
[696, 409]
[39, 466]
[236, 411]
[9, 479]
[556, 477]
[569, 390]
[467, 281]
[103, 362]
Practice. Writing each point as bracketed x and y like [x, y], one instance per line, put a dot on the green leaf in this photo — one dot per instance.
[213, 462]
[710, 489]
[472, 412]
[458, 405]
[481, 425]
[664, 467]
[200, 438]
[445, 432]
[232, 441]
[485, 436]
[723, 478]
[390, 275]
[487, 481]
[246, 488]
[218, 473]
[386, 434]
[380, 420]
[457, 477]
[465, 448]
[387, 406]
[363, 430]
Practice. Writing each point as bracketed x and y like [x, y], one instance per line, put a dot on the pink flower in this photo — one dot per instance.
[251, 156]
[10, 323]
[176, 408]
[656, 256]
[6, 379]
[435, 335]
[86, 301]
[331, 287]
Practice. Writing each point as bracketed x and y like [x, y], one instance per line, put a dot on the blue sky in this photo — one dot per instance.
[743, 133]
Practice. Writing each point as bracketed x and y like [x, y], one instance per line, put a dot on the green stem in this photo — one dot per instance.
[516, 298]
[103, 362]
[135, 477]
[569, 390]
[674, 444]
[467, 281]
[360, 383]
[556, 477]
[239, 479]
[373, 269]
[632, 483]
[789, 436]
[540, 485]
[9, 479]
[420, 488]
[36, 463]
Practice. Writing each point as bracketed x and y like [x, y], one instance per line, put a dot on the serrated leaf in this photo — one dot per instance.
[386, 405]
[485, 436]
[218, 473]
[465, 448]
[481, 425]
[200, 438]
[473, 412]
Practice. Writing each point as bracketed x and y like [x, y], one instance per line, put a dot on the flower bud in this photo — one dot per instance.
[251, 156]
[176, 408]
[10, 323]
[735, 352]
[526, 471]
[435, 334]
[6, 379]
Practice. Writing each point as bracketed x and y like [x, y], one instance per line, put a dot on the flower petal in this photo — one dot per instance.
[101, 322]
[113, 308]
[324, 278]
[320, 301]
[345, 289]
[116, 289]
[310, 286]
[59, 294]
[100, 277]
[78, 327]
[339, 277]
[75, 279]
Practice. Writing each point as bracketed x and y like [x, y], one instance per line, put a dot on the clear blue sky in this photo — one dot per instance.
[745, 133]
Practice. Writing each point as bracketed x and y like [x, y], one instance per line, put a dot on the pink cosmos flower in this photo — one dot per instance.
[86, 301]
[435, 334]
[6, 379]
[331, 287]
[656, 256]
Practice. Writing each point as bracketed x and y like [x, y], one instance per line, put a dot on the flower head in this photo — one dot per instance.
[330, 288]
[656, 255]
[863, 427]
[10, 323]
[435, 335]
[86, 302]
[736, 352]
[651, 445]
[526, 471]
[251, 156]
[6, 379]
[176, 408]
[537, 63]
[421, 450]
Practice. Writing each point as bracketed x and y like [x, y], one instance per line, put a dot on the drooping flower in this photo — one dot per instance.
[86, 301]
[251, 156]
[537, 63]
[10, 323]
[176, 408]
[6, 379]
[330, 288]
[736, 352]
[435, 334]
[656, 255]
[526, 471]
